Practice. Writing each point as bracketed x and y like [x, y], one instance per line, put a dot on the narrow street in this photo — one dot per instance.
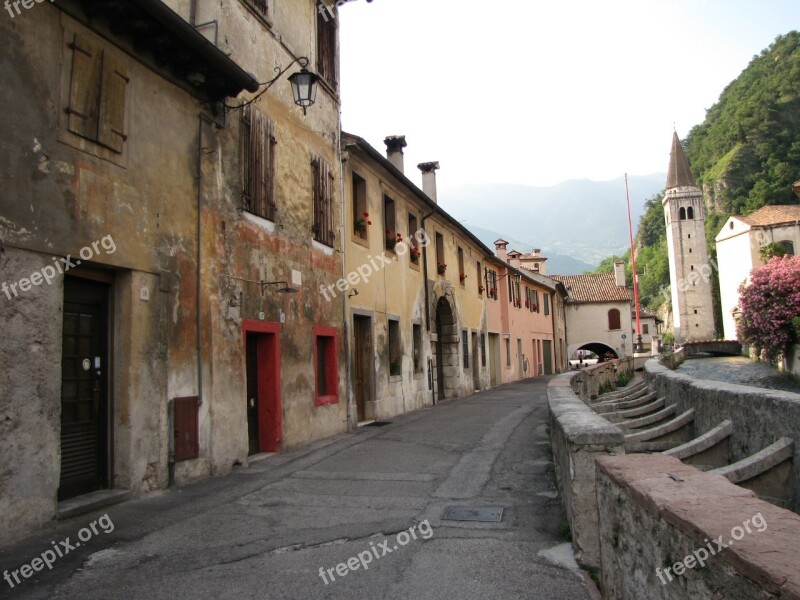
[279, 528]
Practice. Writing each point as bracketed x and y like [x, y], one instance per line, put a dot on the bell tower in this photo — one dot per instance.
[689, 270]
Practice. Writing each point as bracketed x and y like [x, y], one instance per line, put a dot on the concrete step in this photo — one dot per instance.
[90, 502]
[710, 450]
[651, 419]
[628, 391]
[758, 463]
[663, 429]
[623, 404]
[621, 415]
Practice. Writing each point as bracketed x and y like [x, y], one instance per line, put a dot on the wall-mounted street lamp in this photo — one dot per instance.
[304, 85]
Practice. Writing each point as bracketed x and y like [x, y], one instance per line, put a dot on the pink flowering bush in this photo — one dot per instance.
[771, 307]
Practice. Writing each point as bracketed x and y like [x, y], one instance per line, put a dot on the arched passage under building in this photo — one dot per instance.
[601, 350]
[445, 350]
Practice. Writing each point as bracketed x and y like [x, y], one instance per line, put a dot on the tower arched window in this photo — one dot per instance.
[613, 319]
[690, 213]
[682, 214]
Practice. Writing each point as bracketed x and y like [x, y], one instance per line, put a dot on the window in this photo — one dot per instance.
[395, 348]
[322, 180]
[360, 215]
[462, 275]
[682, 213]
[479, 278]
[326, 366]
[465, 347]
[491, 283]
[508, 353]
[390, 233]
[412, 240]
[261, 7]
[546, 300]
[645, 328]
[690, 213]
[326, 45]
[97, 95]
[788, 247]
[258, 163]
[417, 334]
[613, 319]
[441, 266]
[483, 350]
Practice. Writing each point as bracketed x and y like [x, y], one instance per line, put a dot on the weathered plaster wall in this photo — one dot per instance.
[760, 416]
[30, 393]
[652, 521]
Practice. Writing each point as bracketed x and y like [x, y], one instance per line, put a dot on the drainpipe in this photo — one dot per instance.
[425, 270]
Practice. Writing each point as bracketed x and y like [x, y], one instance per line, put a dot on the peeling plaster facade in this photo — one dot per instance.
[63, 192]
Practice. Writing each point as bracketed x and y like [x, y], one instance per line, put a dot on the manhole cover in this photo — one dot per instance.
[485, 514]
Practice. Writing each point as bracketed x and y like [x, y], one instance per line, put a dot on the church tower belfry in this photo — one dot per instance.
[689, 269]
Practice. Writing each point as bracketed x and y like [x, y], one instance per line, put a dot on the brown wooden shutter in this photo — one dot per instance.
[84, 97]
[111, 126]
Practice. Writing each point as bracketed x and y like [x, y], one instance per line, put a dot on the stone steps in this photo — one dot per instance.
[631, 413]
[674, 427]
[623, 404]
[655, 418]
[708, 451]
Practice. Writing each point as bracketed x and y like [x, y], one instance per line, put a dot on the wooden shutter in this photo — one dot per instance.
[111, 123]
[84, 97]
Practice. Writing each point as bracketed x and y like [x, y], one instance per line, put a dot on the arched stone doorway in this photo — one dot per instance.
[446, 350]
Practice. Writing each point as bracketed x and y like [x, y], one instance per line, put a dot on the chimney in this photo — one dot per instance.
[500, 249]
[619, 273]
[394, 150]
[513, 258]
[429, 178]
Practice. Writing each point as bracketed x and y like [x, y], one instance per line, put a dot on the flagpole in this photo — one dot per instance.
[638, 344]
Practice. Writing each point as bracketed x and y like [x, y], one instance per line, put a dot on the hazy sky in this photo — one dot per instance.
[537, 92]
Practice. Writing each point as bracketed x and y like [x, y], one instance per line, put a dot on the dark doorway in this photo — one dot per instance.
[548, 357]
[362, 331]
[262, 361]
[84, 389]
[446, 351]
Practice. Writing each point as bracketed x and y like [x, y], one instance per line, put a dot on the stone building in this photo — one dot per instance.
[684, 214]
[524, 340]
[598, 309]
[413, 287]
[739, 244]
[150, 237]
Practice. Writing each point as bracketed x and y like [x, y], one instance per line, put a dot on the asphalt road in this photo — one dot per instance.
[356, 516]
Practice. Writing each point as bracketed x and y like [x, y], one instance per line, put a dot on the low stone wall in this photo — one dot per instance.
[588, 382]
[760, 416]
[673, 360]
[660, 514]
[578, 436]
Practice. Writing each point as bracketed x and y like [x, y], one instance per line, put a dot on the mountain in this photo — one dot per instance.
[583, 219]
[556, 263]
[746, 153]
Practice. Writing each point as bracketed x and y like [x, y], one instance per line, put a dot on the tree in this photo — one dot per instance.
[769, 305]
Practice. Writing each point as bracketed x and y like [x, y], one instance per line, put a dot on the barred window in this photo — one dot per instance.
[258, 163]
[322, 181]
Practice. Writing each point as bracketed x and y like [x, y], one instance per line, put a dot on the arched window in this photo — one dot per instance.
[682, 214]
[613, 319]
[690, 213]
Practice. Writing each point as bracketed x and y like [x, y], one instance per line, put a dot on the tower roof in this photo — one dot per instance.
[679, 174]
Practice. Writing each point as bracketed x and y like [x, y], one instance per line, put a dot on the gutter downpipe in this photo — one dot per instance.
[427, 303]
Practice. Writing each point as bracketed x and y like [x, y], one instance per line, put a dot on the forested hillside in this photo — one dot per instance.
[746, 154]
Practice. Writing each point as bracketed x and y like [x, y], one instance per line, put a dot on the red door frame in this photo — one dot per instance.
[270, 409]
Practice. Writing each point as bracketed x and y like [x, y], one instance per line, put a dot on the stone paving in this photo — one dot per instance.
[306, 523]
